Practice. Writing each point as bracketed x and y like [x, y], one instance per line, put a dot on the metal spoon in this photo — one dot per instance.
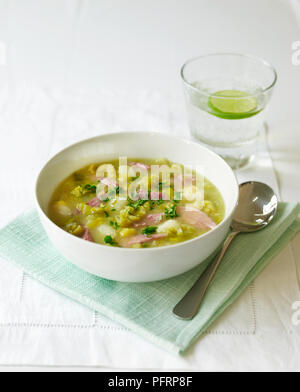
[256, 208]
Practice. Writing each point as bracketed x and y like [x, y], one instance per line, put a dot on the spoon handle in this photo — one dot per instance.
[188, 307]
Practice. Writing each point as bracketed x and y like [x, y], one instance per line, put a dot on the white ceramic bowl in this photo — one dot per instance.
[146, 264]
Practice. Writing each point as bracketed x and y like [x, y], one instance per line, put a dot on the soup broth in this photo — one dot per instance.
[145, 219]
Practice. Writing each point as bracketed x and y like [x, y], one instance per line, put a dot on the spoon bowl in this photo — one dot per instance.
[256, 207]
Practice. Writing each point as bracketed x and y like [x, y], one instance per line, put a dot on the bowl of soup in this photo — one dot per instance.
[136, 206]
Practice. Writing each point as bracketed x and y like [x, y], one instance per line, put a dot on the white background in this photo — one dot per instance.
[140, 45]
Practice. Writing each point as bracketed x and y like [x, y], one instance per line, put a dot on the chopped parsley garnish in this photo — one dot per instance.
[109, 240]
[160, 218]
[149, 230]
[90, 188]
[136, 204]
[114, 224]
[134, 178]
[152, 204]
[171, 213]
[106, 214]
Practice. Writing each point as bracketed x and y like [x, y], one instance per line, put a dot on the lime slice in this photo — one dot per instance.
[233, 103]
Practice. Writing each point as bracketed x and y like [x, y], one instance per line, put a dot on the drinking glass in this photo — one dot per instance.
[226, 95]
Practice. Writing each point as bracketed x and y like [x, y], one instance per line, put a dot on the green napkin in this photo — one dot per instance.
[146, 308]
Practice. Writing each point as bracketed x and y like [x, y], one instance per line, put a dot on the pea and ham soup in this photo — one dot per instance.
[145, 219]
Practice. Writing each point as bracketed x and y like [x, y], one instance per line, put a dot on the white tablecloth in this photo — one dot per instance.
[77, 69]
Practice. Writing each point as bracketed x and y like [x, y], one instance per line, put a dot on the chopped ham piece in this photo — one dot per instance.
[195, 217]
[95, 202]
[140, 239]
[139, 164]
[107, 181]
[87, 236]
[150, 220]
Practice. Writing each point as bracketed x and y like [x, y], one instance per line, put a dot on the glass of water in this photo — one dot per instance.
[226, 95]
